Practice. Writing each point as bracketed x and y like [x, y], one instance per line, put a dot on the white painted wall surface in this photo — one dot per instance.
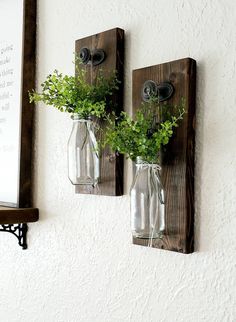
[81, 265]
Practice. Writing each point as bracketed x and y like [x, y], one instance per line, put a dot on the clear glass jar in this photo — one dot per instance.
[83, 158]
[147, 201]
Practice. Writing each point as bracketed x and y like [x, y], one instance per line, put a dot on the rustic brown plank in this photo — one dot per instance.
[27, 108]
[112, 42]
[18, 215]
[178, 156]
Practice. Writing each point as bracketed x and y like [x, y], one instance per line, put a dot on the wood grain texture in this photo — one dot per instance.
[178, 157]
[25, 198]
[18, 215]
[112, 42]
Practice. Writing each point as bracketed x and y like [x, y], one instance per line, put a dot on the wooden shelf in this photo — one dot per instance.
[18, 215]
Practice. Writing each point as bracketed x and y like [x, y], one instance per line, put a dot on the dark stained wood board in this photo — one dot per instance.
[178, 157]
[112, 42]
[25, 197]
[18, 215]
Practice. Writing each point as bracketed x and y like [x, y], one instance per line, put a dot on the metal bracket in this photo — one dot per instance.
[163, 91]
[94, 58]
[18, 230]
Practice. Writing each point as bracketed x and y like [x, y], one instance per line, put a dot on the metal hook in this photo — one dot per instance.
[163, 91]
[84, 55]
[96, 57]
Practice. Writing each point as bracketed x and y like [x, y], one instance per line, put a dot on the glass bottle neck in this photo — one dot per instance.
[141, 162]
[78, 118]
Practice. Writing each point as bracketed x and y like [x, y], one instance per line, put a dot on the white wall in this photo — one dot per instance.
[81, 265]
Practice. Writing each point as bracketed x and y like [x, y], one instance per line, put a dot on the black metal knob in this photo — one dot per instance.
[96, 57]
[163, 91]
[85, 55]
[149, 90]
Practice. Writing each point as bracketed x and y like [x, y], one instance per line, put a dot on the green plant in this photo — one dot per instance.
[73, 94]
[144, 136]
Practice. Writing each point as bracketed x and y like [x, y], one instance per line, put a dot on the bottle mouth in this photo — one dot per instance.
[77, 117]
[141, 161]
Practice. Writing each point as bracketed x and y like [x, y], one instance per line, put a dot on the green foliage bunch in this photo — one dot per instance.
[73, 94]
[145, 135]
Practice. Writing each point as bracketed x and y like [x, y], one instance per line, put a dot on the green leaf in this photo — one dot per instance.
[145, 135]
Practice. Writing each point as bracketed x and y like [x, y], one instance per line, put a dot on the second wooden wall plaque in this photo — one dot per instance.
[178, 158]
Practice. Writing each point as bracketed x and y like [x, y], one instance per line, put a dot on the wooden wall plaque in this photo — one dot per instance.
[112, 42]
[178, 159]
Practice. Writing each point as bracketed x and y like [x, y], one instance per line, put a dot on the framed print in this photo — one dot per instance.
[17, 76]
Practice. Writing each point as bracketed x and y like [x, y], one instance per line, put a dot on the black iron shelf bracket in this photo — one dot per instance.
[18, 230]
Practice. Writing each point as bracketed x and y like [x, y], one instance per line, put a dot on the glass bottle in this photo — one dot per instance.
[147, 201]
[83, 159]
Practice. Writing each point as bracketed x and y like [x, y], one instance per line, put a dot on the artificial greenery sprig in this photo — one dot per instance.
[73, 94]
[146, 134]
